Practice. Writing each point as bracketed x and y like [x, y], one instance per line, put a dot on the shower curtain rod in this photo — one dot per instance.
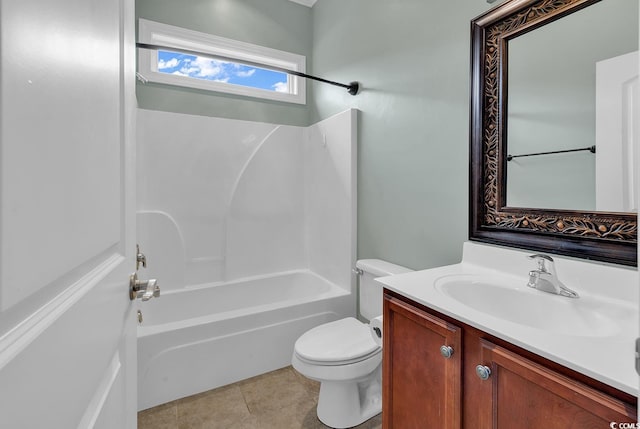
[353, 87]
[591, 149]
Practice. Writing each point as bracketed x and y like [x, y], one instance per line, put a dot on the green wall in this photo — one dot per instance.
[277, 24]
[412, 57]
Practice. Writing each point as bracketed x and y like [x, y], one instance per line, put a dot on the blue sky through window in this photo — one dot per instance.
[221, 71]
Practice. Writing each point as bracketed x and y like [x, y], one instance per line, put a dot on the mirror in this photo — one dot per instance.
[554, 106]
[546, 77]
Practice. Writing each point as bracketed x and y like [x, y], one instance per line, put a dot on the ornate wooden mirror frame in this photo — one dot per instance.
[604, 236]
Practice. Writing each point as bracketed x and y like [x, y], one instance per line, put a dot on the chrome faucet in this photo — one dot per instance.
[545, 277]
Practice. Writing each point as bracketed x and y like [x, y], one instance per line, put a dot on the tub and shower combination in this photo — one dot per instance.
[195, 340]
[249, 255]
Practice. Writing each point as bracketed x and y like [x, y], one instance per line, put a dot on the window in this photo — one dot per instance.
[235, 77]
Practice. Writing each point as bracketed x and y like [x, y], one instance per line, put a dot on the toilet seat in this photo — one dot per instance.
[342, 342]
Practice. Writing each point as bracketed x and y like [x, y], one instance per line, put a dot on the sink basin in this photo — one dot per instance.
[505, 299]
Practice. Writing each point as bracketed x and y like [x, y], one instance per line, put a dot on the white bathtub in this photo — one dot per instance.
[201, 338]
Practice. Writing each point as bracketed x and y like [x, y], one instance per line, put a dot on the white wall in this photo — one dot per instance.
[222, 199]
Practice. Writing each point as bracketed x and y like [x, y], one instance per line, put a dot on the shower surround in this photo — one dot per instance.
[229, 211]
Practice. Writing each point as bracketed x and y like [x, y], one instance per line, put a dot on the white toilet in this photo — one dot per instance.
[344, 357]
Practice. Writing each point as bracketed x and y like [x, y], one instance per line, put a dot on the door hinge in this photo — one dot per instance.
[140, 258]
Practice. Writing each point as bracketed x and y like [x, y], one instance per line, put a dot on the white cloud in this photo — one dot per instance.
[280, 87]
[203, 68]
[208, 68]
[173, 62]
[190, 70]
[247, 73]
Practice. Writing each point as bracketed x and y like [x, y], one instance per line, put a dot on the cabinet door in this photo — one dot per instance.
[528, 395]
[421, 387]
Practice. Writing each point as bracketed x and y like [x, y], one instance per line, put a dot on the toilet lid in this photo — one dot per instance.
[343, 341]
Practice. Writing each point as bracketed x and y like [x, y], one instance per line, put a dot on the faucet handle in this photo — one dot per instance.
[541, 258]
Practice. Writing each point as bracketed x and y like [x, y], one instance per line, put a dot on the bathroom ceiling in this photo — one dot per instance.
[308, 3]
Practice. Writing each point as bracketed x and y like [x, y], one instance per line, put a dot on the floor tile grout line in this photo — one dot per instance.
[244, 398]
[176, 420]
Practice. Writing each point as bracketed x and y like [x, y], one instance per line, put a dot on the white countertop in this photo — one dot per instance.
[608, 358]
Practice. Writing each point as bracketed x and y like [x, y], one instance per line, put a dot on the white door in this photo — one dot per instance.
[617, 133]
[67, 326]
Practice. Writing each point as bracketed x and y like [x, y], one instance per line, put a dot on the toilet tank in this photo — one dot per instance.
[370, 291]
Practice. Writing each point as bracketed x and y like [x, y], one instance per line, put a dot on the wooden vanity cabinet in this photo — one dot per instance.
[526, 394]
[421, 388]
[424, 389]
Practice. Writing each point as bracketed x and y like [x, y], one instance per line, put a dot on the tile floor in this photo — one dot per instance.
[281, 399]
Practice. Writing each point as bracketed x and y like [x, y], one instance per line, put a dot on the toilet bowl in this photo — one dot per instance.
[344, 357]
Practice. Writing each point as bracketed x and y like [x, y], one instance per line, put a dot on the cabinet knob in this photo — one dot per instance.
[446, 351]
[483, 372]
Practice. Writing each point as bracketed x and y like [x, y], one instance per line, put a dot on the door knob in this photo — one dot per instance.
[143, 289]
